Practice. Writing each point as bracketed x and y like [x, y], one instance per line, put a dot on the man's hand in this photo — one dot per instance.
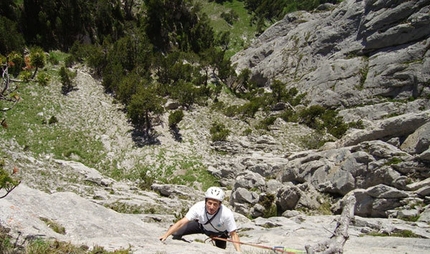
[162, 239]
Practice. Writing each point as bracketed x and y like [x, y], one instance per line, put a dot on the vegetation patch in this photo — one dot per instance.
[56, 227]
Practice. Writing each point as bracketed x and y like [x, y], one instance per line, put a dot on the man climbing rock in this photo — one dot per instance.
[209, 217]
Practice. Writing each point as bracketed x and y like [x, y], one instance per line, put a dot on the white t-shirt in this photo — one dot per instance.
[224, 219]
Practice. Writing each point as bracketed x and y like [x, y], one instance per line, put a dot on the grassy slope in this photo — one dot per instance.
[28, 122]
[241, 33]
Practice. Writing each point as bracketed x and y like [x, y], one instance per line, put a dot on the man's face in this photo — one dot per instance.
[212, 205]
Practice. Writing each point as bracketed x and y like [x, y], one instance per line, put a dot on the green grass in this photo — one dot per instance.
[29, 124]
[241, 33]
[187, 171]
[54, 226]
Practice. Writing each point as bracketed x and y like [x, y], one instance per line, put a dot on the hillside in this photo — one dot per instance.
[84, 165]
[77, 197]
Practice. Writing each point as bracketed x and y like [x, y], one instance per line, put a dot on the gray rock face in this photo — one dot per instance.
[418, 141]
[376, 172]
[349, 55]
[90, 224]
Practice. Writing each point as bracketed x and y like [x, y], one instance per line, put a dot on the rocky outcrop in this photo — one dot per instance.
[355, 54]
[376, 172]
[26, 213]
[369, 60]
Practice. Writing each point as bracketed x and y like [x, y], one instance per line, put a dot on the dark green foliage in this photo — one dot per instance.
[57, 24]
[143, 105]
[273, 10]
[175, 117]
[37, 59]
[319, 118]
[334, 124]
[17, 61]
[128, 87]
[266, 122]
[10, 39]
[67, 80]
[175, 23]
[289, 116]
[185, 93]
[230, 17]
[278, 90]
[172, 68]
[311, 116]
[219, 132]
[166, 50]
[223, 40]
[249, 109]
[268, 202]
[357, 124]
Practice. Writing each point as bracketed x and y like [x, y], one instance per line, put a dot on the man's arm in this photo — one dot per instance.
[236, 240]
[174, 228]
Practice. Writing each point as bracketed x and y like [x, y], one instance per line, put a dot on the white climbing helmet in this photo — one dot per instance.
[215, 193]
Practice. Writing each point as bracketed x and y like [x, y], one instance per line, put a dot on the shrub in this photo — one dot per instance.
[43, 78]
[219, 132]
[267, 201]
[266, 122]
[17, 63]
[53, 120]
[67, 80]
[230, 17]
[146, 180]
[175, 118]
[249, 109]
[53, 58]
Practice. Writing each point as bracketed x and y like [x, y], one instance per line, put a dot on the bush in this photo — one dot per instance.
[266, 122]
[53, 120]
[67, 80]
[219, 132]
[230, 17]
[249, 109]
[43, 78]
[175, 118]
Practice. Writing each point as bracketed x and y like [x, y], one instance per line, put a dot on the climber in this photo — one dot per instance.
[209, 217]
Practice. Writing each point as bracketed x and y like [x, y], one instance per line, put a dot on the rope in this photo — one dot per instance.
[279, 249]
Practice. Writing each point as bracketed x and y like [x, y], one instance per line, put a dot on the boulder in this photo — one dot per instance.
[243, 196]
[419, 141]
[288, 197]
[402, 125]
[377, 201]
[250, 180]
[89, 174]
[425, 215]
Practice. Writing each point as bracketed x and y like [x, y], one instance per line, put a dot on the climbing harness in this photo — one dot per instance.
[279, 249]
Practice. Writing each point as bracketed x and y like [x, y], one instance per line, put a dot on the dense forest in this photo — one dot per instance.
[143, 51]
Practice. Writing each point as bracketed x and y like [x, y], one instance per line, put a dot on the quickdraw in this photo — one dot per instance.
[279, 249]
